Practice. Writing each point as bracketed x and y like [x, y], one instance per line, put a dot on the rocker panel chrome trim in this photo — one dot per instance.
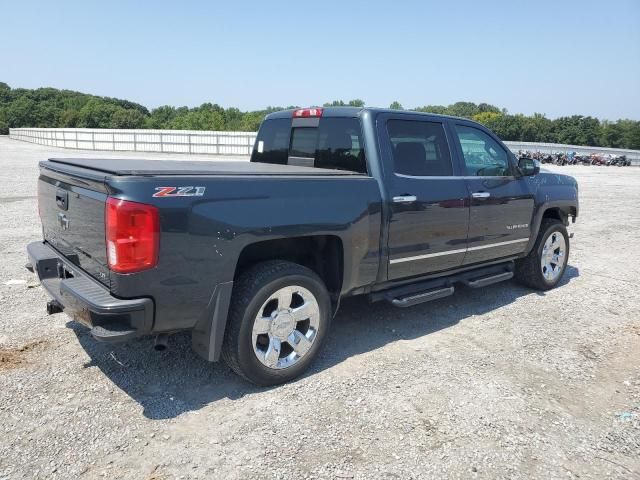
[453, 252]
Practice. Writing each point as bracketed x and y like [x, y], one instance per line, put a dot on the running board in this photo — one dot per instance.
[484, 281]
[421, 297]
[440, 285]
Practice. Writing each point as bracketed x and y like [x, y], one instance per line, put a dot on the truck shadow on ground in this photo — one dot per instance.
[167, 384]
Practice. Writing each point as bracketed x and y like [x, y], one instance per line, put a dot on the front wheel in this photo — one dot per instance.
[279, 316]
[543, 268]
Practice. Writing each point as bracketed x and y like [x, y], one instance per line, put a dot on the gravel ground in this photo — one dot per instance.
[502, 382]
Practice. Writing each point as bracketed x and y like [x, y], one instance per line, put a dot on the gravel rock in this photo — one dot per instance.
[501, 382]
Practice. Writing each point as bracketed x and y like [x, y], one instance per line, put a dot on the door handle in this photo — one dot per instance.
[405, 199]
[480, 195]
[62, 199]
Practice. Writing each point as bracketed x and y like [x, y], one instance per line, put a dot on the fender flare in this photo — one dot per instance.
[564, 206]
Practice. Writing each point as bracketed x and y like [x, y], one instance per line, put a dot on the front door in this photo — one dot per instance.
[501, 200]
[427, 197]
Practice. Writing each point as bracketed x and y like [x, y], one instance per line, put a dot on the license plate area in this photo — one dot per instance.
[64, 271]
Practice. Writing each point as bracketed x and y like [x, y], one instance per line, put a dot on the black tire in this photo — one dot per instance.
[528, 270]
[250, 291]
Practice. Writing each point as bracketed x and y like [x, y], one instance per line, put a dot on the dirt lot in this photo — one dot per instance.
[502, 382]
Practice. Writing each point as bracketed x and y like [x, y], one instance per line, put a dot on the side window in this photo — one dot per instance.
[483, 156]
[272, 143]
[419, 148]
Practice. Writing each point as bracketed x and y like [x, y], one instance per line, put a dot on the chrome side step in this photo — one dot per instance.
[421, 297]
[484, 281]
[441, 285]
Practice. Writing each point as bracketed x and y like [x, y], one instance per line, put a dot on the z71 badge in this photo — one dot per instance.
[179, 192]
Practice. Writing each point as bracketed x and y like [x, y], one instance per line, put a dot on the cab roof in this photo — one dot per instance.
[357, 111]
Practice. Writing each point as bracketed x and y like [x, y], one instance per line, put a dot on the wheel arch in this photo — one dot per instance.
[560, 210]
[324, 254]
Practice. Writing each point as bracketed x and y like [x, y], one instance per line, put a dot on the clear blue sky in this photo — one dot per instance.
[556, 57]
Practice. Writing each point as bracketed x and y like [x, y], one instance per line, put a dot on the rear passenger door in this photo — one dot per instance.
[427, 230]
[501, 199]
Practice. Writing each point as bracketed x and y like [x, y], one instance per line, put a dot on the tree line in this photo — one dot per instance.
[53, 108]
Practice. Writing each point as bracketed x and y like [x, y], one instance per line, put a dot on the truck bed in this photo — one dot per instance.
[129, 166]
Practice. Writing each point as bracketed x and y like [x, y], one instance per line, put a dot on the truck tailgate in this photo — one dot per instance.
[71, 207]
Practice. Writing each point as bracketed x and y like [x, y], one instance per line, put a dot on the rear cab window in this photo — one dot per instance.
[328, 142]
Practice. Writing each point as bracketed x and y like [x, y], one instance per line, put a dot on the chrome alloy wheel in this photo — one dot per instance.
[285, 327]
[554, 256]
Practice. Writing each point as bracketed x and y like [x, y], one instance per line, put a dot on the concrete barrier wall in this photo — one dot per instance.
[218, 143]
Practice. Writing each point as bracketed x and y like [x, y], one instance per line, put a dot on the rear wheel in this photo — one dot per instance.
[279, 316]
[543, 268]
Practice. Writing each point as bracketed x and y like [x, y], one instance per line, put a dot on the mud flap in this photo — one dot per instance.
[207, 335]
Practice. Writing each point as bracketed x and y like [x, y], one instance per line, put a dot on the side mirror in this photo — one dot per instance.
[529, 166]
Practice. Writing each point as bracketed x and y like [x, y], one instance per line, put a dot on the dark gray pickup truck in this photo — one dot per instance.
[254, 257]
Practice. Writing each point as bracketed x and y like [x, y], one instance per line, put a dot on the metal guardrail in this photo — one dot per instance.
[169, 141]
[219, 143]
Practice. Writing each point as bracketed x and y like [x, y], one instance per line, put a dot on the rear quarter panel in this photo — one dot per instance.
[203, 237]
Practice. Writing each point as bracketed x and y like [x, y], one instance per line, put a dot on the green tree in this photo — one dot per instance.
[335, 103]
[630, 134]
[485, 117]
[50, 107]
[160, 117]
[251, 121]
[199, 120]
[437, 109]
[5, 93]
[486, 107]
[21, 113]
[4, 126]
[69, 119]
[233, 119]
[507, 127]
[127, 118]
[611, 134]
[96, 114]
[463, 109]
[395, 105]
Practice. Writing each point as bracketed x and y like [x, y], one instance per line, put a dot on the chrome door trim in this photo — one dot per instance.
[428, 255]
[499, 244]
[453, 252]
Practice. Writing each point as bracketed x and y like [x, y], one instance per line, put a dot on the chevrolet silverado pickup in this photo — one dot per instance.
[254, 257]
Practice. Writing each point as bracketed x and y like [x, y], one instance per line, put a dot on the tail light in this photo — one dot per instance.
[132, 234]
[307, 113]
